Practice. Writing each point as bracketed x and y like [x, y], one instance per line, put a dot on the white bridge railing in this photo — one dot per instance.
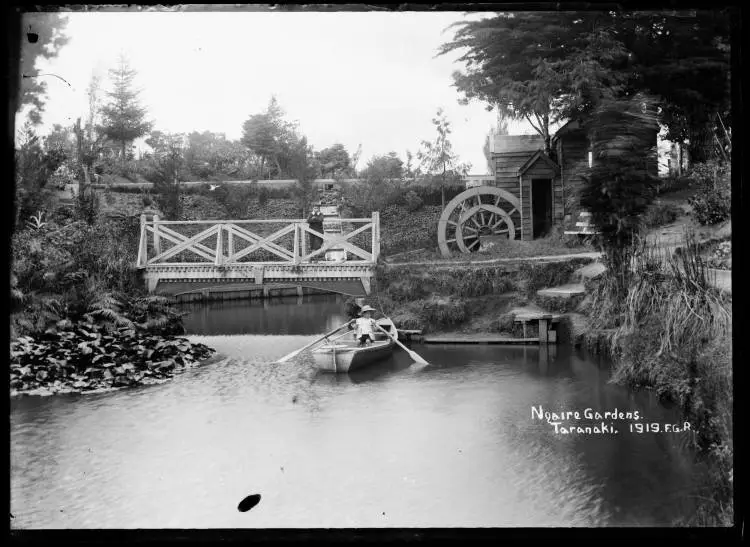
[259, 242]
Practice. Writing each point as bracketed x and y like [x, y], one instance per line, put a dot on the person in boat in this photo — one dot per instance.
[365, 325]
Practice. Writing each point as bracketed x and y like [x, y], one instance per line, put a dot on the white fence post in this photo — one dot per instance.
[157, 239]
[230, 243]
[219, 246]
[142, 248]
[296, 243]
[375, 235]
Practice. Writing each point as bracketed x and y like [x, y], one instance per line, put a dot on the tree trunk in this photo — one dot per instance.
[442, 189]
[701, 144]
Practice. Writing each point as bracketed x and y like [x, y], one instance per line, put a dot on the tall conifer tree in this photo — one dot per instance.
[124, 118]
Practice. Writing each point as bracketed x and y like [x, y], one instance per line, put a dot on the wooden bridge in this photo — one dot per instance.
[185, 256]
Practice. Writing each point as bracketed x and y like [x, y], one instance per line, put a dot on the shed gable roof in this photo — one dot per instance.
[513, 144]
[539, 156]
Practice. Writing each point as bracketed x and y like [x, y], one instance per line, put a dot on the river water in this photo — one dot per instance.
[453, 444]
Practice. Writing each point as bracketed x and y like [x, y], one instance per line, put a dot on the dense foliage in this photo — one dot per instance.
[86, 357]
[43, 36]
[555, 66]
[712, 203]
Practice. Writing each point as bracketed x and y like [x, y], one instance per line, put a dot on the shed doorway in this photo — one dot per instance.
[541, 207]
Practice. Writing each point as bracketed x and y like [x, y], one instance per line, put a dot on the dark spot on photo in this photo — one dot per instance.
[248, 503]
[294, 399]
[32, 37]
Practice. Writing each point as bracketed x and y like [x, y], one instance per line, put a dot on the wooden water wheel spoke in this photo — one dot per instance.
[497, 201]
[450, 240]
[476, 242]
[496, 223]
[474, 220]
[452, 222]
[472, 229]
[502, 231]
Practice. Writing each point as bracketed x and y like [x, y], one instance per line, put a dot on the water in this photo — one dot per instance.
[393, 445]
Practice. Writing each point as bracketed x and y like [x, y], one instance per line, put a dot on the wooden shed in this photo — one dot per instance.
[523, 169]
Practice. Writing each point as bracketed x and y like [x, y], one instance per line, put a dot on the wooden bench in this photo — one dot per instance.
[584, 227]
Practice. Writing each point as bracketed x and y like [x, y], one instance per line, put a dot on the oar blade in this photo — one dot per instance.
[288, 356]
[417, 358]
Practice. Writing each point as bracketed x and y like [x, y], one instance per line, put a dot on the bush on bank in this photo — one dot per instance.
[672, 332]
[80, 318]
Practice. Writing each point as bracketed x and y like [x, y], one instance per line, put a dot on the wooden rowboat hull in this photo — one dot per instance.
[347, 355]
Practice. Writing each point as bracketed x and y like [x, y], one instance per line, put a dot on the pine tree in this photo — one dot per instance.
[124, 118]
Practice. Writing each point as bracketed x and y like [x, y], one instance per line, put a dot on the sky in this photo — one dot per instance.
[368, 78]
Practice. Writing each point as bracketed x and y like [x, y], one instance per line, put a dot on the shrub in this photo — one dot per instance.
[412, 200]
[86, 205]
[713, 201]
[660, 215]
[262, 197]
[711, 206]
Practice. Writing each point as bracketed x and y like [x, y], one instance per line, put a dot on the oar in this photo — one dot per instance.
[295, 352]
[413, 354]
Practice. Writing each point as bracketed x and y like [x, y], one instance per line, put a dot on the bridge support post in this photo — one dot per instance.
[366, 284]
[300, 292]
[151, 282]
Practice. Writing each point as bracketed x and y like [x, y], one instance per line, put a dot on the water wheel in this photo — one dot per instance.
[480, 211]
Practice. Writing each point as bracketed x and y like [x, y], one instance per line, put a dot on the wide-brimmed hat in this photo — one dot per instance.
[365, 309]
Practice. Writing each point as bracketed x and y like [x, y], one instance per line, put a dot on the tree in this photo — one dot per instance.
[43, 37]
[437, 157]
[620, 184]
[683, 58]
[267, 134]
[124, 118]
[548, 67]
[384, 168]
[334, 161]
[299, 161]
[507, 64]
[169, 161]
[355, 160]
[34, 167]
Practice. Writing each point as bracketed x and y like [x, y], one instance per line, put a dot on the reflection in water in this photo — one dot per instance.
[450, 444]
[287, 315]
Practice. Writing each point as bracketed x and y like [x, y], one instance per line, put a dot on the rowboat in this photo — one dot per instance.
[344, 354]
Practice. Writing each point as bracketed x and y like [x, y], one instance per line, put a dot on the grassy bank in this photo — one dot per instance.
[669, 330]
[477, 299]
